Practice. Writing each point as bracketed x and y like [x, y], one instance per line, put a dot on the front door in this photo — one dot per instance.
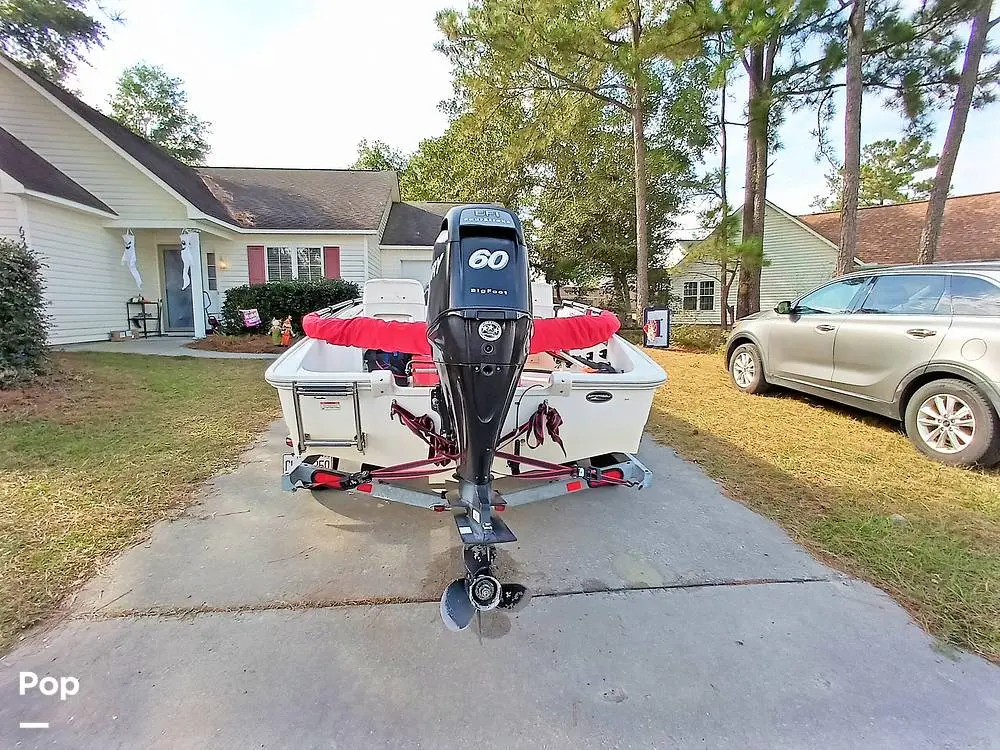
[800, 347]
[179, 312]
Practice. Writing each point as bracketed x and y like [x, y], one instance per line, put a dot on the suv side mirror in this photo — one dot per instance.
[784, 308]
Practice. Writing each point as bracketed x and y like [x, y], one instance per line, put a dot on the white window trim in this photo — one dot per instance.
[701, 285]
[685, 296]
[295, 260]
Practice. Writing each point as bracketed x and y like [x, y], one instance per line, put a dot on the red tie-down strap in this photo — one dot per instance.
[576, 332]
[544, 418]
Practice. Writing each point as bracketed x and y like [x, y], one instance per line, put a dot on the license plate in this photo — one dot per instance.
[290, 460]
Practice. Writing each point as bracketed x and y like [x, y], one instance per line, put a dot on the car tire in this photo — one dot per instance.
[746, 369]
[952, 422]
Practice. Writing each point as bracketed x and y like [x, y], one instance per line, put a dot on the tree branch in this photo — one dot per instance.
[580, 87]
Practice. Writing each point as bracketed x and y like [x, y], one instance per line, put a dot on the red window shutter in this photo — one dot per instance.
[331, 262]
[255, 264]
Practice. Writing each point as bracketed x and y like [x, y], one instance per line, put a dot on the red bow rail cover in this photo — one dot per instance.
[550, 334]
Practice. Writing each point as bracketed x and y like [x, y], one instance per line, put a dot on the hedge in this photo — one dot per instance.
[23, 323]
[278, 299]
[698, 338]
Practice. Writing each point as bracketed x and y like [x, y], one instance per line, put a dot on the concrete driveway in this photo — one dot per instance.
[671, 617]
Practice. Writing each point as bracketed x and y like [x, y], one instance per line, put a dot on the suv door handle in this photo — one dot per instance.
[825, 328]
[921, 333]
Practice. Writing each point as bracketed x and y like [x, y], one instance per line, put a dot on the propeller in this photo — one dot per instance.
[458, 608]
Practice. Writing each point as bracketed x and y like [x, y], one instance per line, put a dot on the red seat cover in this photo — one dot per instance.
[550, 334]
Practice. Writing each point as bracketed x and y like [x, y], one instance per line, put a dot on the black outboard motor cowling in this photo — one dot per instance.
[479, 324]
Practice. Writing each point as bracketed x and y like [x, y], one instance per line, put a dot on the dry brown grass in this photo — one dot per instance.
[107, 445]
[834, 477]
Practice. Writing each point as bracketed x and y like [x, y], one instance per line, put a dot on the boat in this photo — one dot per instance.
[472, 395]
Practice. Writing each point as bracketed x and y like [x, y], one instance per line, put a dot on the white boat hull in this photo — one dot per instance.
[333, 407]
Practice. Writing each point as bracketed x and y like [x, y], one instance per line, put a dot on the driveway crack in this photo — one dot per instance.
[378, 601]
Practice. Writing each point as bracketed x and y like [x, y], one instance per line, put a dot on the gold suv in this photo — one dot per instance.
[920, 344]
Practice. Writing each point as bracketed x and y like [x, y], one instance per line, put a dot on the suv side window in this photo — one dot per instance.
[907, 294]
[831, 299]
[974, 296]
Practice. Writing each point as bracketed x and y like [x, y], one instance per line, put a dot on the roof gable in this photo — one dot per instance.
[256, 199]
[177, 176]
[890, 235]
[35, 173]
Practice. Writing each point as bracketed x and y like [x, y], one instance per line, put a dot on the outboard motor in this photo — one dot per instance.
[479, 324]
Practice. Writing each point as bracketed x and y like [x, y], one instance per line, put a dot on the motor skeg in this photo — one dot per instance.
[479, 324]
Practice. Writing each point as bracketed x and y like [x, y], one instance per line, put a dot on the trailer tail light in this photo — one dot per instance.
[366, 487]
[615, 474]
[439, 508]
[575, 486]
[326, 479]
[288, 441]
[500, 508]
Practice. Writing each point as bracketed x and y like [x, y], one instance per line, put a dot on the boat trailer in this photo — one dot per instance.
[478, 524]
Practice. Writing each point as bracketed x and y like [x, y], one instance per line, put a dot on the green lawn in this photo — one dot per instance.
[112, 442]
[834, 478]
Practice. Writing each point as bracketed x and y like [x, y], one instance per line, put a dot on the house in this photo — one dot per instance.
[79, 186]
[800, 252]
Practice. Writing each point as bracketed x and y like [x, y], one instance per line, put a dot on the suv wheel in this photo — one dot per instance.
[746, 369]
[952, 422]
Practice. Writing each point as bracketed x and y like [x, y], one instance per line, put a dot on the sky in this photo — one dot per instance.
[299, 83]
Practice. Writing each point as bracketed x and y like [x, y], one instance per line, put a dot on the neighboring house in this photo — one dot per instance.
[801, 251]
[76, 183]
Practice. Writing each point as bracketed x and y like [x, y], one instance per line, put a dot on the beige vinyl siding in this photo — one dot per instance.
[796, 260]
[391, 267]
[375, 269]
[697, 272]
[68, 145]
[9, 224]
[86, 285]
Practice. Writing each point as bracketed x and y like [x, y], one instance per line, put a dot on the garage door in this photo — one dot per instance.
[415, 269]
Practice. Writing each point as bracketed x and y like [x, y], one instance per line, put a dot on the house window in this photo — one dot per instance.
[279, 264]
[690, 301]
[287, 263]
[213, 279]
[706, 295]
[310, 263]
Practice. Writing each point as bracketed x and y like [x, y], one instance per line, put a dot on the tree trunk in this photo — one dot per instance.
[750, 183]
[754, 192]
[756, 268]
[848, 248]
[641, 206]
[724, 209]
[931, 232]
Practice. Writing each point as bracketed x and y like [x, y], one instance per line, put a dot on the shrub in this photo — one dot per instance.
[23, 323]
[697, 338]
[277, 299]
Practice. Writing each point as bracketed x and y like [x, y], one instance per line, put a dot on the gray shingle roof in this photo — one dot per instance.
[891, 234]
[32, 171]
[415, 223]
[261, 198]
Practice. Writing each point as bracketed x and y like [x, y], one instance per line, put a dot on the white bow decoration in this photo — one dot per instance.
[129, 259]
